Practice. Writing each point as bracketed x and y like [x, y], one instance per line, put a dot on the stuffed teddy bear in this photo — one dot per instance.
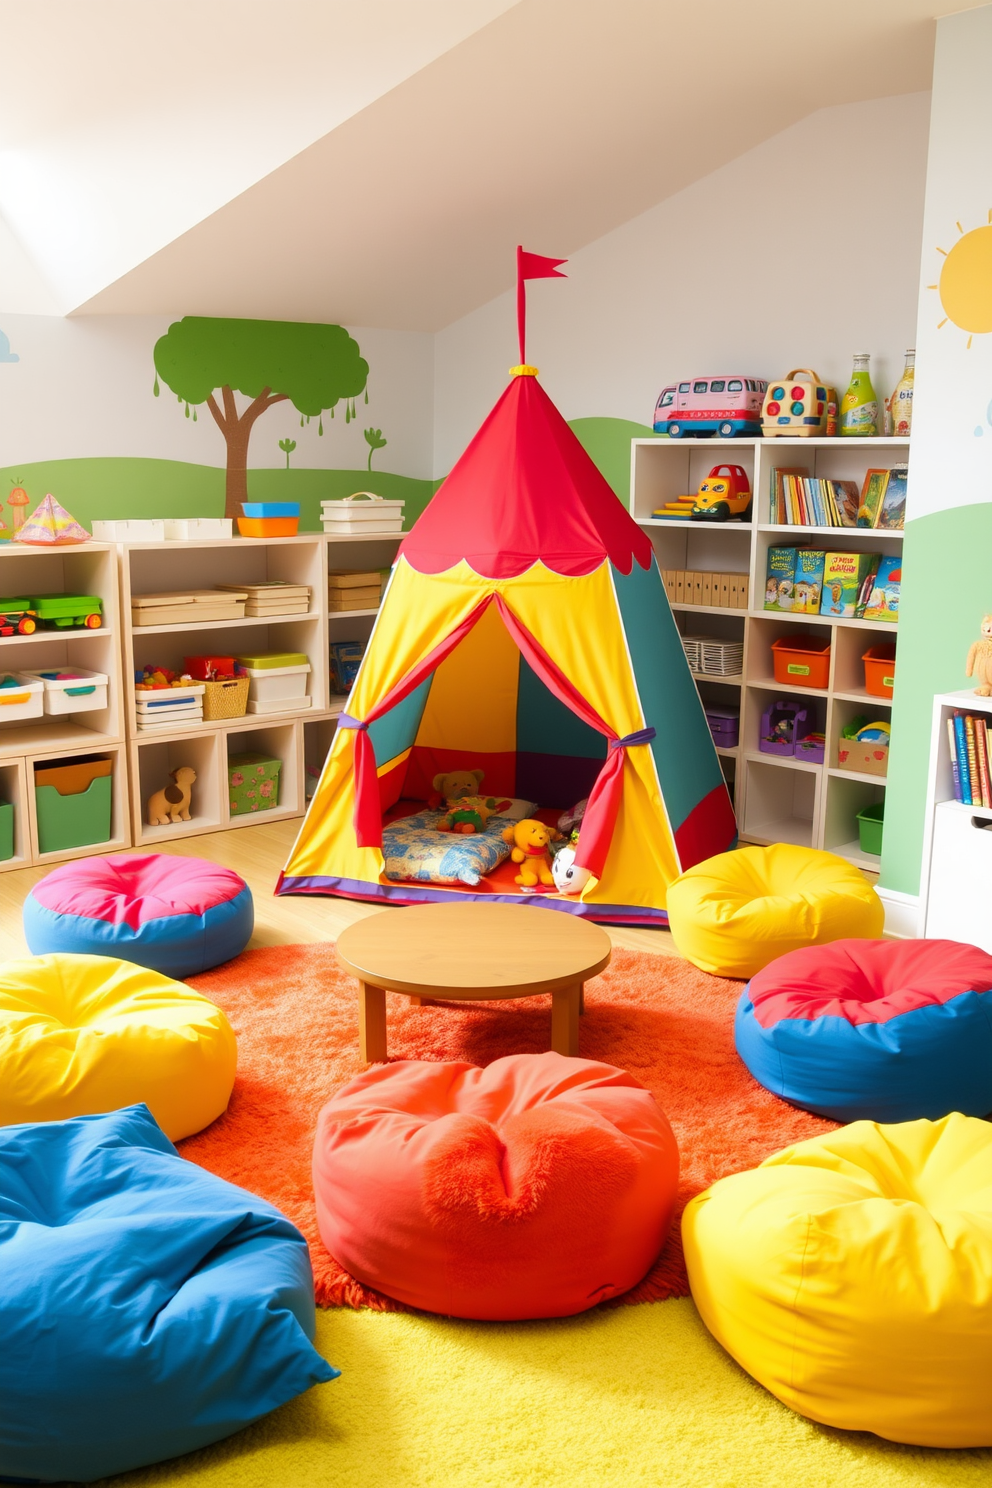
[530, 841]
[466, 811]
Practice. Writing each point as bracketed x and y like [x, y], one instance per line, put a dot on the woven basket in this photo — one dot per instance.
[227, 699]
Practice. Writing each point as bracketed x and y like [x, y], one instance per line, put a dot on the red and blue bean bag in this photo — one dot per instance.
[175, 915]
[149, 1308]
[875, 1030]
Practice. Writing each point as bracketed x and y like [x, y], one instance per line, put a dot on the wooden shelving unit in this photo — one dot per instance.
[777, 798]
[89, 568]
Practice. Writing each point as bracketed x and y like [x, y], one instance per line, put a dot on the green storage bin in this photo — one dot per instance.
[6, 831]
[253, 782]
[80, 820]
[870, 828]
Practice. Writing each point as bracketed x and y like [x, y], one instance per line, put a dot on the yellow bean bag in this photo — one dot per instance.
[86, 1034]
[852, 1276]
[736, 912]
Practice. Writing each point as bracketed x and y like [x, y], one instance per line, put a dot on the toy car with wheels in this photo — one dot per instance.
[68, 611]
[725, 493]
[17, 617]
[727, 407]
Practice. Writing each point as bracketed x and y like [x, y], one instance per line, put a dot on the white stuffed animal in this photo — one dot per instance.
[568, 878]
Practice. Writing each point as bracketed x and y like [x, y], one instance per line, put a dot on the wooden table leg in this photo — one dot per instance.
[371, 1023]
[421, 1001]
[565, 1019]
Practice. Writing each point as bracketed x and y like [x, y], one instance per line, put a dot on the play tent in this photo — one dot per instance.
[525, 631]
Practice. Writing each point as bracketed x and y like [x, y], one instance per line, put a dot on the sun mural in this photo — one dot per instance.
[965, 284]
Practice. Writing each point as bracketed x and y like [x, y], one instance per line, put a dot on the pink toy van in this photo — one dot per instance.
[727, 406]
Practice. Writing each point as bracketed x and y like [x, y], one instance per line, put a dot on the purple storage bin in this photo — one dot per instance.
[780, 723]
[812, 749]
[725, 726]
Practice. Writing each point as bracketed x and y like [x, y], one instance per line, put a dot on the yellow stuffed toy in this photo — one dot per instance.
[530, 848]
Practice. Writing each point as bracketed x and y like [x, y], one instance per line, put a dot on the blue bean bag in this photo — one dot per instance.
[179, 916]
[873, 1030]
[148, 1308]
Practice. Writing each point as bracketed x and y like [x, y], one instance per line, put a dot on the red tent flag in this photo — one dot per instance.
[531, 266]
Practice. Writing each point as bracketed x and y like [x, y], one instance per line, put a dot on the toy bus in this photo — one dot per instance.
[729, 407]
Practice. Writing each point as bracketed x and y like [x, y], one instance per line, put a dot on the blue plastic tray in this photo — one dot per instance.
[270, 508]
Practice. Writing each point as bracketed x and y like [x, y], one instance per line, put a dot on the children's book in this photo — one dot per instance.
[892, 512]
[808, 581]
[867, 585]
[961, 749]
[346, 658]
[872, 496]
[884, 601]
[843, 576]
[847, 499]
[779, 506]
[780, 581]
[955, 772]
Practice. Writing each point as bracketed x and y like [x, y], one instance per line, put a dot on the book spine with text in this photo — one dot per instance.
[961, 745]
[974, 779]
[955, 772]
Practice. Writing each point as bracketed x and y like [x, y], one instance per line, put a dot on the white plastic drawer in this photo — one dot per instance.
[959, 903]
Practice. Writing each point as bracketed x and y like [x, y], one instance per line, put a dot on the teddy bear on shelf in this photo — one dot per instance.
[979, 663]
[531, 841]
[465, 810]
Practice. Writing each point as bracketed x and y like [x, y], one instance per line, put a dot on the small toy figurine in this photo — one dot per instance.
[979, 663]
[725, 493]
[530, 841]
[171, 804]
[568, 878]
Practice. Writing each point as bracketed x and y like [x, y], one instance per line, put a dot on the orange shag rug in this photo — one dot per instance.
[295, 1013]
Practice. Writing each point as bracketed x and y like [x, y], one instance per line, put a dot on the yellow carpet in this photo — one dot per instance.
[637, 1397]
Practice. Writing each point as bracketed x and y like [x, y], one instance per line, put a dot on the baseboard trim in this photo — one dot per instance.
[903, 914]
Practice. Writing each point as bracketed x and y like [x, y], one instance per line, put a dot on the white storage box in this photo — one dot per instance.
[960, 876]
[71, 689]
[276, 689]
[21, 696]
[131, 529]
[186, 529]
[181, 719]
[354, 516]
[169, 707]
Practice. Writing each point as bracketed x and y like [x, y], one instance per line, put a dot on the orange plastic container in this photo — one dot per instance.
[801, 661]
[880, 669]
[268, 526]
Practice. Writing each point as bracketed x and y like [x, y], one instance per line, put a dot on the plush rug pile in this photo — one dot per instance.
[296, 1017]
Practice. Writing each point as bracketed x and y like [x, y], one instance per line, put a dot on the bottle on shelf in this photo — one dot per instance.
[901, 402]
[859, 406]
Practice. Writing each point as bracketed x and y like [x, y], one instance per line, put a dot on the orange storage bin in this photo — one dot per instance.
[880, 669]
[801, 661]
[268, 526]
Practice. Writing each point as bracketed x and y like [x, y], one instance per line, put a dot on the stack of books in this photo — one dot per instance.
[968, 736]
[724, 591]
[795, 499]
[189, 607]
[354, 591]
[274, 597]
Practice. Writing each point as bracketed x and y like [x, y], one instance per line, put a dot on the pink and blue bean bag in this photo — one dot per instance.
[875, 1030]
[178, 916]
[148, 1308]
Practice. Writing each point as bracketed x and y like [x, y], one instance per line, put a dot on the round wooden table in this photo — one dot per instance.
[466, 952]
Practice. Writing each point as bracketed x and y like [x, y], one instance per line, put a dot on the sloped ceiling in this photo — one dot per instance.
[376, 164]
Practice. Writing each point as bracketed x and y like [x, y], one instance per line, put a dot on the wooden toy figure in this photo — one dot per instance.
[979, 663]
[171, 804]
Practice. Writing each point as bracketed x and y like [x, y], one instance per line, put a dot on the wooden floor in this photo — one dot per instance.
[258, 854]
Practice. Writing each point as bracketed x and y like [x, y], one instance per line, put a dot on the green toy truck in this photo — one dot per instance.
[68, 611]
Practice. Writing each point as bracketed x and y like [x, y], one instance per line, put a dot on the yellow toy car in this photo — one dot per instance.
[725, 493]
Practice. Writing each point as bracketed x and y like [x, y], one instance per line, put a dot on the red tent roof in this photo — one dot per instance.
[524, 490]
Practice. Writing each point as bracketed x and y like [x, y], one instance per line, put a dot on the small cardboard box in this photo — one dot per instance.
[863, 759]
[253, 782]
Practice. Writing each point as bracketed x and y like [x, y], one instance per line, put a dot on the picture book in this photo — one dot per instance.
[346, 658]
[808, 581]
[847, 500]
[892, 512]
[884, 601]
[872, 496]
[867, 585]
[780, 579]
[843, 576]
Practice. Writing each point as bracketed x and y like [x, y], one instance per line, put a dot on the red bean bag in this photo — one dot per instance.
[535, 1187]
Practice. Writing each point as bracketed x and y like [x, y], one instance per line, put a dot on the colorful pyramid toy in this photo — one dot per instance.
[50, 525]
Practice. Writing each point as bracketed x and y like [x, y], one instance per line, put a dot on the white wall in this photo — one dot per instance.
[83, 387]
[800, 252]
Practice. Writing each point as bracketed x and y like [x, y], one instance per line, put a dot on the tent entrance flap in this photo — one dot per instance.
[605, 796]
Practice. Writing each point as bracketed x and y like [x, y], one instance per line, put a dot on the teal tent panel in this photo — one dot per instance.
[546, 726]
[397, 729]
[687, 762]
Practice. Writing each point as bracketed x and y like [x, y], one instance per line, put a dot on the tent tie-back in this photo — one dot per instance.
[640, 736]
[345, 720]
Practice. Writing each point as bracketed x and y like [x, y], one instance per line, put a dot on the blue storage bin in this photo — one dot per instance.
[270, 508]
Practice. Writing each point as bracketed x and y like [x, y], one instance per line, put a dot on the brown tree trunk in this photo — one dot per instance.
[237, 432]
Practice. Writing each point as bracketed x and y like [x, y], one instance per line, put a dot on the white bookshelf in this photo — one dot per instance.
[956, 887]
[777, 798]
[84, 568]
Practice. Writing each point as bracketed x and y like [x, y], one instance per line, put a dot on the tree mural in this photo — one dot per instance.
[269, 361]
